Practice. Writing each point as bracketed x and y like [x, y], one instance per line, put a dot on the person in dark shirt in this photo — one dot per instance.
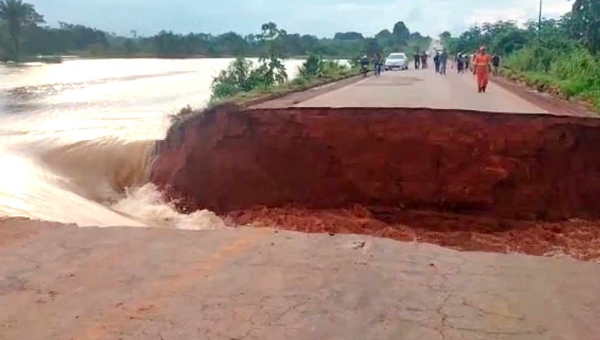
[443, 62]
[496, 64]
[467, 60]
[436, 61]
[424, 60]
[460, 63]
[377, 63]
[417, 60]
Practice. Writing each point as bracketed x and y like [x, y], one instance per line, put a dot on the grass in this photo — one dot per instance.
[573, 74]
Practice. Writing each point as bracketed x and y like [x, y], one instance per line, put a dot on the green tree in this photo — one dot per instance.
[445, 35]
[271, 58]
[372, 47]
[348, 36]
[401, 33]
[586, 23]
[240, 76]
[311, 67]
[18, 15]
[385, 38]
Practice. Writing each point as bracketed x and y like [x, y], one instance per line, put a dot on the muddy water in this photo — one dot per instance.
[75, 138]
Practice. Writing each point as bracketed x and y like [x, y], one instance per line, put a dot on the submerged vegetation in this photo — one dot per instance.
[558, 56]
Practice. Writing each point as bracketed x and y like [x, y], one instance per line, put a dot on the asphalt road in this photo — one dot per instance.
[62, 282]
[423, 88]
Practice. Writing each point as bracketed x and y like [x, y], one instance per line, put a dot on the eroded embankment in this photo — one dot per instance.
[498, 166]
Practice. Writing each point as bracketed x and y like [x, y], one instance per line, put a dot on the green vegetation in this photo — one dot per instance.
[558, 56]
[22, 35]
[243, 80]
[15, 14]
[242, 76]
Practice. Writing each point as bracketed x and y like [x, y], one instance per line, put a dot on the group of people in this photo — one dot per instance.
[464, 62]
[377, 61]
[480, 63]
[420, 60]
[441, 61]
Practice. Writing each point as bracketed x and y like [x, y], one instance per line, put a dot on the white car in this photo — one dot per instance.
[397, 61]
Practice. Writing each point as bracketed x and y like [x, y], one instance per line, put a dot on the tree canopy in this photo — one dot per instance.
[17, 15]
[401, 33]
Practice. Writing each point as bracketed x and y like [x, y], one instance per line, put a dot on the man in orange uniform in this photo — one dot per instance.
[481, 68]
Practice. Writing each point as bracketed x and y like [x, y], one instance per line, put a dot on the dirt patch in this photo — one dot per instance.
[575, 238]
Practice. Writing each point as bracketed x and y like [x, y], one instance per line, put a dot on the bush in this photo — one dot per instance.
[311, 67]
[573, 70]
[300, 81]
[240, 76]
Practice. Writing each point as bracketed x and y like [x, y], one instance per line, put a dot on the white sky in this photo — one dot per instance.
[318, 17]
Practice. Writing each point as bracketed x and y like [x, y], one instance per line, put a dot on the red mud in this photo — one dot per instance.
[577, 239]
[470, 171]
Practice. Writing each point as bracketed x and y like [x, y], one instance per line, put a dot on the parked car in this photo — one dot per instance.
[397, 61]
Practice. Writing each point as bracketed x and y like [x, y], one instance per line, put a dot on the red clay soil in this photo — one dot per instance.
[577, 239]
[534, 167]
[461, 179]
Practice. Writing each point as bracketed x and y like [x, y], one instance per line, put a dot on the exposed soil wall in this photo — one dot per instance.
[506, 165]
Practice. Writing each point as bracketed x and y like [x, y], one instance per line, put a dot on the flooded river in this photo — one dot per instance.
[75, 138]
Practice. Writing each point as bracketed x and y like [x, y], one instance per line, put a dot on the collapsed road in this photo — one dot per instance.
[469, 172]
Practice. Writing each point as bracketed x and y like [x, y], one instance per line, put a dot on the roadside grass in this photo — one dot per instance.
[572, 74]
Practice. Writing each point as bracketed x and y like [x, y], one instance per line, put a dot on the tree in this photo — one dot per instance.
[586, 23]
[18, 14]
[445, 35]
[385, 38]
[401, 33]
[271, 58]
[348, 36]
[372, 47]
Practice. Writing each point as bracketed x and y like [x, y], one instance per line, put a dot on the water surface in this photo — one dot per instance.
[75, 137]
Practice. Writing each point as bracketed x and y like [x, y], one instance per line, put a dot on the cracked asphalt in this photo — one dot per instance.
[64, 282]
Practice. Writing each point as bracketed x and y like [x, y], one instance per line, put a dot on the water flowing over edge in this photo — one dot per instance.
[100, 182]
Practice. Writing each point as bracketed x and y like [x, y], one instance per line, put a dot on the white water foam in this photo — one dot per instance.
[147, 205]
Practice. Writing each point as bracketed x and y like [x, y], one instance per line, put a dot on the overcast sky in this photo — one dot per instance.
[317, 17]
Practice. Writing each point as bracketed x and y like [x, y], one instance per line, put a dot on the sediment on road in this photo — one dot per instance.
[488, 172]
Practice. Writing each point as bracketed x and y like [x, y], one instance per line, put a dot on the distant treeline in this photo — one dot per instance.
[35, 39]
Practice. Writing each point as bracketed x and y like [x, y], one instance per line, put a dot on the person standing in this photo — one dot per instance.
[377, 64]
[460, 63]
[424, 60]
[443, 62]
[436, 61]
[417, 58]
[467, 62]
[481, 68]
[496, 64]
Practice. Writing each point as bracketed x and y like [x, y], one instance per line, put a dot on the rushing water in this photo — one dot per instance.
[75, 138]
